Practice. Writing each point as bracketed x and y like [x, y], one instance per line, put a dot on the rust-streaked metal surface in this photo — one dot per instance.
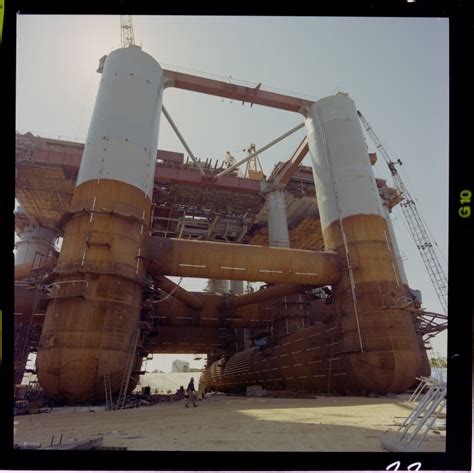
[201, 259]
[97, 297]
[332, 356]
[361, 338]
[172, 312]
[189, 340]
[269, 293]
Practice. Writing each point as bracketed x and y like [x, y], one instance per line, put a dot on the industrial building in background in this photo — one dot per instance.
[337, 313]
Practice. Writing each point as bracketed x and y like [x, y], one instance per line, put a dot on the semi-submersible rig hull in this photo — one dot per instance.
[340, 320]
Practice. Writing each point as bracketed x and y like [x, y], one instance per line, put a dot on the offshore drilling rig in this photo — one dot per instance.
[336, 315]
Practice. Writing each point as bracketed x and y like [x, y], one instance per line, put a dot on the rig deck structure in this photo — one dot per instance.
[335, 315]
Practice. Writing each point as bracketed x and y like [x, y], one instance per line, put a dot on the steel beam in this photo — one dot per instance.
[289, 169]
[177, 291]
[231, 91]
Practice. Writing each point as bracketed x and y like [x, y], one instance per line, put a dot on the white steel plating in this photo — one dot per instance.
[342, 172]
[123, 135]
[34, 245]
[277, 221]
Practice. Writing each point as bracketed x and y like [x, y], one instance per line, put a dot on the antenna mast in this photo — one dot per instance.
[126, 31]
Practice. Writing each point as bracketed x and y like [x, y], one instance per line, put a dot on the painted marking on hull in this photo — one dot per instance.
[193, 265]
[235, 269]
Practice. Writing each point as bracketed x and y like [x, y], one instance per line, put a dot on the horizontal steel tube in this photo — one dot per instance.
[172, 288]
[261, 296]
[203, 259]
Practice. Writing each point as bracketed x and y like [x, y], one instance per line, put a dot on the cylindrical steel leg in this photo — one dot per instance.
[378, 336]
[96, 302]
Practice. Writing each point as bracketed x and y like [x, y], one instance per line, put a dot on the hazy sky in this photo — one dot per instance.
[395, 69]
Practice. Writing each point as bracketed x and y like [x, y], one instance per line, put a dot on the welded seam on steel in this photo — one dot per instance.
[346, 249]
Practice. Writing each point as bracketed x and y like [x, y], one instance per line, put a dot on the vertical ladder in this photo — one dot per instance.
[109, 405]
[428, 255]
[128, 370]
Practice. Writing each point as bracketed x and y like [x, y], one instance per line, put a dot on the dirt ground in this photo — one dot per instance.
[230, 423]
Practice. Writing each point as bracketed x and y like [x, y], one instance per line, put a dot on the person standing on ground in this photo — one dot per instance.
[191, 393]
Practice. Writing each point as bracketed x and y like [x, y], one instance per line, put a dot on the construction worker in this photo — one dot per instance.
[191, 393]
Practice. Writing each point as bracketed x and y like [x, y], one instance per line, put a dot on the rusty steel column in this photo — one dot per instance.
[378, 346]
[93, 316]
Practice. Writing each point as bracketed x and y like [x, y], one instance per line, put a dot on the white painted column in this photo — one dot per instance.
[237, 287]
[343, 176]
[277, 221]
[122, 140]
[218, 286]
[34, 246]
